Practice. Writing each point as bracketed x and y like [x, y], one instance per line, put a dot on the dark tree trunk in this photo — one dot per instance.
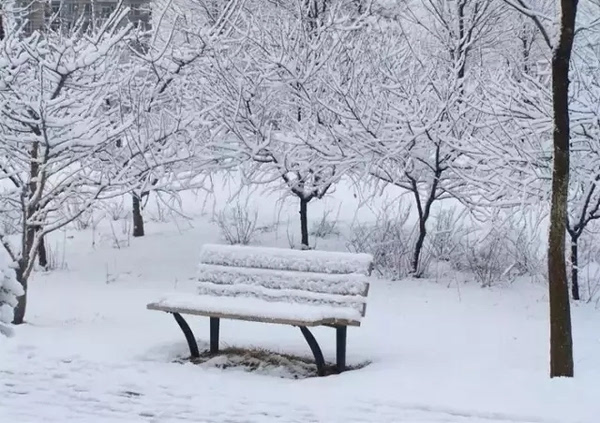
[138, 219]
[304, 222]
[419, 248]
[461, 53]
[526, 47]
[19, 315]
[43, 254]
[561, 341]
[575, 268]
[424, 212]
[29, 249]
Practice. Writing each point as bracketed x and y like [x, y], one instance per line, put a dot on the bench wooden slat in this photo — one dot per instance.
[351, 284]
[284, 259]
[291, 296]
[256, 310]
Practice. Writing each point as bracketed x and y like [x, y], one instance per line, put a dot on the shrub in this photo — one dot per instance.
[115, 209]
[387, 240]
[510, 247]
[444, 238]
[237, 224]
[486, 258]
[325, 227]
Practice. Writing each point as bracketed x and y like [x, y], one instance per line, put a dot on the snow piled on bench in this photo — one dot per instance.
[284, 259]
[346, 284]
[257, 309]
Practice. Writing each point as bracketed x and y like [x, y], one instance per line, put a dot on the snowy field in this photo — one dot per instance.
[338, 105]
[440, 350]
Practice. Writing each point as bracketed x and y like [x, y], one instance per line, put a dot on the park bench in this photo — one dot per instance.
[271, 285]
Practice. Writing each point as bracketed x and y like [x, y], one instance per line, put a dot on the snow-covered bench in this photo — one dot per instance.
[271, 285]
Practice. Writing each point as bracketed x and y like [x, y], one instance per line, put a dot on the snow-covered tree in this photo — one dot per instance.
[560, 129]
[514, 156]
[403, 106]
[56, 128]
[272, 95]
[165, 146]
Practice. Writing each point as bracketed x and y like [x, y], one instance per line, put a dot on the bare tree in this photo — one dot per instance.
[561, 343]
[166, 101]
[55, 128]
[584, 203]
[271, 92]
[404, 106]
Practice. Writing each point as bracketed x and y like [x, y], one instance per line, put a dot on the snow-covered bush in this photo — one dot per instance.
[325, 226]
[446, 234]
[10, 289]
[486, 258]
[237, 224]
[526, 244]
[506, 249]
[388, 240]
[85, 216]
[115, 209]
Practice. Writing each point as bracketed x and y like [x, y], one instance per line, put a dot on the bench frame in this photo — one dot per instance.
[341, 338]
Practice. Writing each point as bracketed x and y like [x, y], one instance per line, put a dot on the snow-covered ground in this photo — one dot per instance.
[439, 350]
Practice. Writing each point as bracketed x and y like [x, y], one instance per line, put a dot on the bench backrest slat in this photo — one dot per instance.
[284, 259]
[350, 284]
[293, 296]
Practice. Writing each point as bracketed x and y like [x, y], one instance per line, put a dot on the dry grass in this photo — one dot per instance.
[266, 362]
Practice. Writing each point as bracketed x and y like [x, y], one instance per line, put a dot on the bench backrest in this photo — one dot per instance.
[318, 278]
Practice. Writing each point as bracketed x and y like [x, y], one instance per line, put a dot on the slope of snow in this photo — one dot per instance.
[439, 351]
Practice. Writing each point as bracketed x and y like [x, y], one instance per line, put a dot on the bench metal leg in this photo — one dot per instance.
[214, 335]
[341, 332]
[316, 350]
[189, 335]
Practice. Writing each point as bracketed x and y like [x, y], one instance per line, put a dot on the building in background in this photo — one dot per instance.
[41, 14]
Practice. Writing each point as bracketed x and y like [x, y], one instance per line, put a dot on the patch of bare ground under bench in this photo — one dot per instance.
[266, 362]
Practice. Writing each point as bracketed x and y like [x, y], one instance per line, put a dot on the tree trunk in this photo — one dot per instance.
[304, 223]
[43, 254]
[575, 268]
[138, 219]
[418, 248]
[526, 47]
[19, 312]
[1, 25]
[561, 341]
[461, 53]
[22, 270]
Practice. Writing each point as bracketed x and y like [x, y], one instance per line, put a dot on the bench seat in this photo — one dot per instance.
[258, 310]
